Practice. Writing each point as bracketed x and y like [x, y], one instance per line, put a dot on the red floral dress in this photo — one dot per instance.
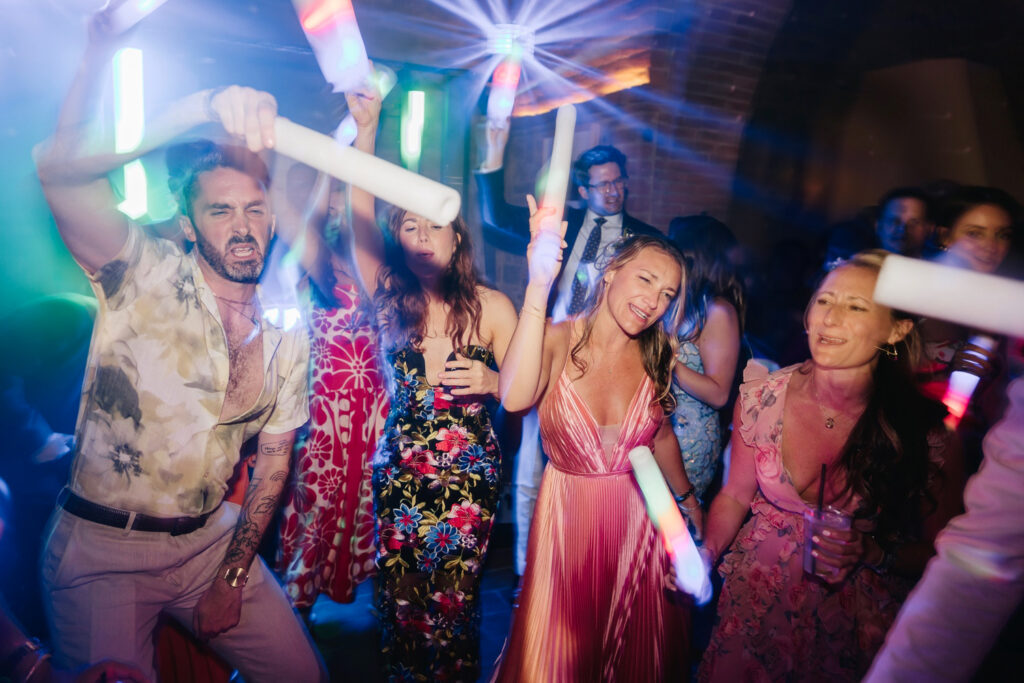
[774, 623]
[327, 543]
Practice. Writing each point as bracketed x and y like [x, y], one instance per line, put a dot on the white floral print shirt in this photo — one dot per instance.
[149, 435]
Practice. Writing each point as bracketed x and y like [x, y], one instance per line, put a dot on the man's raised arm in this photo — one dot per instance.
[73, 164]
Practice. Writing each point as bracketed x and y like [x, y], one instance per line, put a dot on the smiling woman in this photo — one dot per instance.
[847, 429]
[593, 604]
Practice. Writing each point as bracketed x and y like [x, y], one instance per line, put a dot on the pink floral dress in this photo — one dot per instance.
[774, 623]
[327, 543]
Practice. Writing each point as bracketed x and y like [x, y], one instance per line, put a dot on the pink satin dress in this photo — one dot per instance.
[594, 605]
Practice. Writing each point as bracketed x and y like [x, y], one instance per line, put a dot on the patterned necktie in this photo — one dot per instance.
[580, 283]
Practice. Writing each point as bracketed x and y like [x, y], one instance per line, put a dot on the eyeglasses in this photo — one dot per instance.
[607, 185]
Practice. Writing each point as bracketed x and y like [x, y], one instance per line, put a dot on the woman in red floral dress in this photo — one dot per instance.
[326, 537]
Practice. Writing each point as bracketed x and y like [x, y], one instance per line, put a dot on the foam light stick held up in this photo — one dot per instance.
[504, 83]
[383, 179]
[557, 182]
[985, 302]
[691, 574]
[128, 13]
[331, 29]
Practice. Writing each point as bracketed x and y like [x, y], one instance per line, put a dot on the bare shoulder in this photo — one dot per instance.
[721, 309]
[493, 298]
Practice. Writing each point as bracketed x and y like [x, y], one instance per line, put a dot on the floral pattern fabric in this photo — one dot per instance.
[327, 527]
[435, 483]
[774, 623]
[696, 426]
[150, 437]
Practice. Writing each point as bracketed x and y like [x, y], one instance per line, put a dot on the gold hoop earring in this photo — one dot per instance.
[890, 351]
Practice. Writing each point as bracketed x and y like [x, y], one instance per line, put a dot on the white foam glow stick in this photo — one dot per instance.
[130, 13]
[977, 300]
[558, 168]
[691, 574]
[380, 178]
[331, 29]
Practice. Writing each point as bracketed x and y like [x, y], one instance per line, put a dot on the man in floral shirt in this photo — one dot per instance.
[182, 371]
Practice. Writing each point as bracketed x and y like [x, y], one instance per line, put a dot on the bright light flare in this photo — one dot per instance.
[129, 126]
[511, 40]
[413, 117]
[691, 574]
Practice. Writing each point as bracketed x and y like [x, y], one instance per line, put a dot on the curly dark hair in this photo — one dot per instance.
[404, 303]
[658, 343]
[186, 161]
[596, 156]
[887, 455]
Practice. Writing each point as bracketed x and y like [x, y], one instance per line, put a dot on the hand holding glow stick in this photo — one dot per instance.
[977, 300]
[383, 79]
[383, 179]
[691, 573]
[557, 182]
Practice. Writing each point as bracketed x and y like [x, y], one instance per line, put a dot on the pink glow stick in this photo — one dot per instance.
[691, 574]
[962, 384]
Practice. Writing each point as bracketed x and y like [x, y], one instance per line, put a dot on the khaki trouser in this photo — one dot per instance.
[105, 587]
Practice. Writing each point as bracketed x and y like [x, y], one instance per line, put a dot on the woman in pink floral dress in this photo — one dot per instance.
[852, 408]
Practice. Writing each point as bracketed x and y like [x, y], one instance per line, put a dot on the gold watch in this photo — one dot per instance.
[236, 577]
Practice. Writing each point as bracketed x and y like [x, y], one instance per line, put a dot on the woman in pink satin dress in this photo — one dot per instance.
[596, 603]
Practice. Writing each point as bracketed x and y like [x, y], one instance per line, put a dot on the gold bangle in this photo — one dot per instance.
[534, 311]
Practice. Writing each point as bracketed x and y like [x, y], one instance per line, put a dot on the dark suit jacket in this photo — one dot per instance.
[507, 227]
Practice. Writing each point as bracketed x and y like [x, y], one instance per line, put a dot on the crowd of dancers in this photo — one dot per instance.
[627, 335]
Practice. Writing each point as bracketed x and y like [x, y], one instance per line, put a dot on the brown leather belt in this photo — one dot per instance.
[101, 514]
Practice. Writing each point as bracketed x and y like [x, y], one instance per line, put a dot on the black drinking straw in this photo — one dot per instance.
[821, 491]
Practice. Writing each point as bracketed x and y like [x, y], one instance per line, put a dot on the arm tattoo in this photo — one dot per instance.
[282, 447]
[258, 509]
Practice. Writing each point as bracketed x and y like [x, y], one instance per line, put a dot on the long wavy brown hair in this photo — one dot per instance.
[658, 343]
[401, 298]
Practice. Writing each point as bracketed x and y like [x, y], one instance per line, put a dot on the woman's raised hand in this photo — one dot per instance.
[544, 254]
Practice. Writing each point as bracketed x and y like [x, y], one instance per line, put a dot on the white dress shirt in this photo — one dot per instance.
[610, 231]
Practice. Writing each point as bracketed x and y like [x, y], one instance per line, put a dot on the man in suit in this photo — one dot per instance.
[601, 179]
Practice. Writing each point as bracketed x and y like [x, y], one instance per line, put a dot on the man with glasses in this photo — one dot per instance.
[601, 179]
